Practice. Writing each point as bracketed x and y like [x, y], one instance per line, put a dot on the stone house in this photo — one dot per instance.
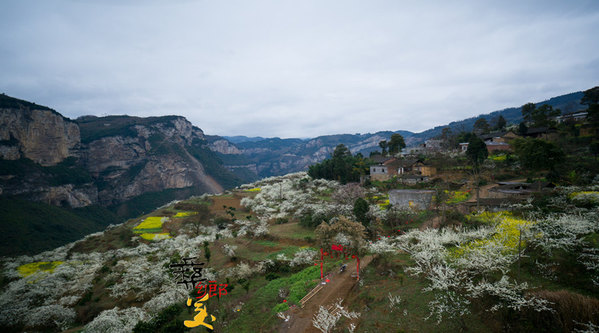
[379, 172]
[400, 167]
[420, 168]
[497, 141]
[433, 144]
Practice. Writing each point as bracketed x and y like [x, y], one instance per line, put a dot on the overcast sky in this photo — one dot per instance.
[297, 68]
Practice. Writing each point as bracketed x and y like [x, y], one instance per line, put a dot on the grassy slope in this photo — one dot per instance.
[31, 227]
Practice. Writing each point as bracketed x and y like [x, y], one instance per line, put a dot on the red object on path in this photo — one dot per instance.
[321, 260]
[327, 280]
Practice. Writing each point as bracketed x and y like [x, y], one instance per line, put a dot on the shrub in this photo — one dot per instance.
[271, 276]
[569, 308]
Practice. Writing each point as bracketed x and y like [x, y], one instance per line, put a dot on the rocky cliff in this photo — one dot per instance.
[129, 156]
[35, 132]
[104, 160]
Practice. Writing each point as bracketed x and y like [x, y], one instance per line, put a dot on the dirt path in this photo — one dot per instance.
[484, 192]
[339, 287]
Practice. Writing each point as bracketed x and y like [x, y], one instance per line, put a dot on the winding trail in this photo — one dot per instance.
[340, 286]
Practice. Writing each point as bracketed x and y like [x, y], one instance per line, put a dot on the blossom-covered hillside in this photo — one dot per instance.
[524, 268]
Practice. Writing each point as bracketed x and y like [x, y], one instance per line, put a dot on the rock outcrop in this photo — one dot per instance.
[224, 147]
[101, 160]
[151, 159]
[42, 136]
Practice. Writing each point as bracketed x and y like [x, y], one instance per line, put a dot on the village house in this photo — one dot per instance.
[393, 167]
[576, 117]
[424, 170]
[433, 145]
[379, 172]
[504, 137]
[412, 151]
[545, 133]
[497, 141]
[463, 147]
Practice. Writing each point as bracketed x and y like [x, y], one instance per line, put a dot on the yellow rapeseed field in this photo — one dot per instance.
[150, 224]
[34, 267]
[507, 232]
[184, 214]
[157, 236]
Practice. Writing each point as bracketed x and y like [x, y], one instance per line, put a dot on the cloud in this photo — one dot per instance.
[296, 69]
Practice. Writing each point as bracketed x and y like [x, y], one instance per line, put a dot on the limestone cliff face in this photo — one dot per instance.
[68, 195]
[42, 136]
[151, 158]
[35, 141]
[224, 147]
[100, 160]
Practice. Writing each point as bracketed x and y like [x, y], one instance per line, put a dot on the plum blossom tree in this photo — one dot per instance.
[116, 320]
[326, 319]
[326, 233]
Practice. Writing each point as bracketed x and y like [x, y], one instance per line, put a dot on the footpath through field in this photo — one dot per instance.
[339, 286]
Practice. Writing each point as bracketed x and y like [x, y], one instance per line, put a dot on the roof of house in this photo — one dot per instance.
[380, 158]
[496, 144]
[539, 130]
[397, 163]
[575, 113]
[492, 135]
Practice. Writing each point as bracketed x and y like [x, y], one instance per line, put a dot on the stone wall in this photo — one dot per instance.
[413, 199]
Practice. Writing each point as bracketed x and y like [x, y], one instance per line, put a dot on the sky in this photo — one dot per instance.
[296, 68]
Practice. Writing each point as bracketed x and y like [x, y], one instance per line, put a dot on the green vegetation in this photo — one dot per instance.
[65, 172]
[168, 320]
[93, 128]
[537, 154]
[342, 166]
[259, 312]
[7, 102]
[539, 116]
[149, 201]
[49, 226]
[214, 165]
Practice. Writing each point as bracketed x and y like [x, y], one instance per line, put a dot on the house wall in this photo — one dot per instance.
[492, 148]
[378, 172]
[380, 177]
[428, 171]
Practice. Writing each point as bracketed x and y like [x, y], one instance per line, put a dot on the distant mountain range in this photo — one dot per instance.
[122, 166]
[241, 138]
[274, 156]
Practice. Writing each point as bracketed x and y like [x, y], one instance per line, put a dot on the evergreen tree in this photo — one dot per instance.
[361, 210]
[383, 144]
[500, 123]
[477, 153]
[396, 144]
[481, 126]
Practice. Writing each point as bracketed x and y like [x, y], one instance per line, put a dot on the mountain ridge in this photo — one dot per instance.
[134, 164]
[276, 156]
